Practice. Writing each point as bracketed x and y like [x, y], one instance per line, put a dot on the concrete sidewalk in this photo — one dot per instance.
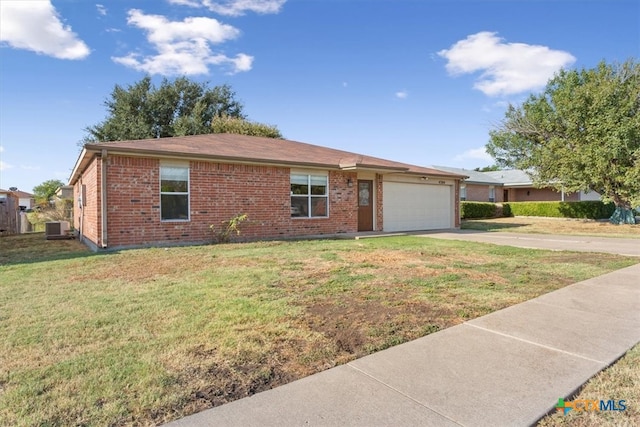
[505, 369]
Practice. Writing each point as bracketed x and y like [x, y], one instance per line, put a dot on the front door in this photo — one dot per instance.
[365, 205]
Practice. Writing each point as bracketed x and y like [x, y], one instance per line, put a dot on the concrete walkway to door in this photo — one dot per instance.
[508, 368]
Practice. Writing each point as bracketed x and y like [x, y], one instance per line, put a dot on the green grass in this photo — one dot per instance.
[620, 381]
[145, 336]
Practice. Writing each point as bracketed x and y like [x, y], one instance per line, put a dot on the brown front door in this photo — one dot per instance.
[505, 196]
[365, 205]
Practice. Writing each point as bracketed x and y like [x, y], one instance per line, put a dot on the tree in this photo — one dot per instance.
[44, 192]
[491, 168]
[177, 108]
[226, 124]
[581, 133]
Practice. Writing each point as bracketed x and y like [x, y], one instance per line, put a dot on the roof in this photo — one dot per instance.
[252, 150]
[473, 177]
[512, 177]
[20, 194]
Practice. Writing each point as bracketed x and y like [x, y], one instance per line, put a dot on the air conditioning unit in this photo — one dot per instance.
[56, 230]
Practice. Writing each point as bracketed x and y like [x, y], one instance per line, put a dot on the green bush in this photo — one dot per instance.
[469, 210]
[585, 209]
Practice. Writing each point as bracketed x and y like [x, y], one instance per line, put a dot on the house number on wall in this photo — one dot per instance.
[442, 182]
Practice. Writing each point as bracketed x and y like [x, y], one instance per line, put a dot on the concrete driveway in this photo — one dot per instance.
[629, 247]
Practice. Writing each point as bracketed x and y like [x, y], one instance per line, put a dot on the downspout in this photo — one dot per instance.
[103, 198]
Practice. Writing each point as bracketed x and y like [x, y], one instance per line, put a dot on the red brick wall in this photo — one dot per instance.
[87, 219]
[379, 211]
[218, 192]
[539, 195]
[480, 193]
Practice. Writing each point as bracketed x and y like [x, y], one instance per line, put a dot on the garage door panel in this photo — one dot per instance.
[409, 207]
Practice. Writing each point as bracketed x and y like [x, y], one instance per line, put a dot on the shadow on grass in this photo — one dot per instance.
[488, 225]
[33, 248]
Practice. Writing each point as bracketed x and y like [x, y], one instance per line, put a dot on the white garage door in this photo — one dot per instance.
[409, 207]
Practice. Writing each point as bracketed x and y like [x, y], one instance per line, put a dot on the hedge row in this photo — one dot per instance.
[584, 209]
[470, 210]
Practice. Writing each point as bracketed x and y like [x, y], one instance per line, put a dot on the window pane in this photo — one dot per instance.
[299, 179]
[299, 189]
[174, 179]
[174, 206]
[167, 186]
[170, 173]
[318, 206]
[318, 180]
[318, 190]
[299, 206]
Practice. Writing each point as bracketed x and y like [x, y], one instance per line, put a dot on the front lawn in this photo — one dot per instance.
[146, 336]
[553, 226]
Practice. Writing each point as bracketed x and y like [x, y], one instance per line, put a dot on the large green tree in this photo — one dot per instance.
[43, 193]
[581, 133]
[175, 108]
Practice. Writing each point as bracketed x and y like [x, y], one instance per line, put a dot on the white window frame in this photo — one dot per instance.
[309, 197]
[492, 193]
[176, 193]
[463, 192]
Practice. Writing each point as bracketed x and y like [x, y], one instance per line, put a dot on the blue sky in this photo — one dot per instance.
[416, 81]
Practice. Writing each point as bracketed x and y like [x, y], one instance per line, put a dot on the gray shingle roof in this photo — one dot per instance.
[475, 177]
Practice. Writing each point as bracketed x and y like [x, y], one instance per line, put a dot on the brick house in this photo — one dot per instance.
[170, 190]
[510, 185]
[477, 186]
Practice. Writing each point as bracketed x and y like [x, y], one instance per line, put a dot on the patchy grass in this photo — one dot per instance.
[554, 226]
[143, 337]
[620, 381]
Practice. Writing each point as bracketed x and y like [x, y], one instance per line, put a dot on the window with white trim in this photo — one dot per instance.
[174, 193]
[492, 193]
[463, 192]
[309, 196]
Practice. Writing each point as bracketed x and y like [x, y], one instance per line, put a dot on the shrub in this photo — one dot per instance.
[228, 228]
[584, 209]
[469, 210]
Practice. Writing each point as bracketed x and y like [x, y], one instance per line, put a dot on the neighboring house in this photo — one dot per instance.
[478, 186]
[518, 187]
[511, 185]
[171, 190]
[65, 192]
[25, 200]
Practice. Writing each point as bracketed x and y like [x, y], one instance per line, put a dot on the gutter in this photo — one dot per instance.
[103, 198]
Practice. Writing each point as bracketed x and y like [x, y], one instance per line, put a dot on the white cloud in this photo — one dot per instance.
[1, 148]
[36, 26]
[235, 7]
[183, 47]
[101, 9]
[403, 94]
[474, 154]
[507, 68]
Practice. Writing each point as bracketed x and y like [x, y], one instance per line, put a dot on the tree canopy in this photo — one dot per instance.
[581, 133]
[175, 108]
[43, 193]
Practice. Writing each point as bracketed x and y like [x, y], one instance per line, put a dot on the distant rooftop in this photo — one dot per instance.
[475, 177]
[511, 177]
